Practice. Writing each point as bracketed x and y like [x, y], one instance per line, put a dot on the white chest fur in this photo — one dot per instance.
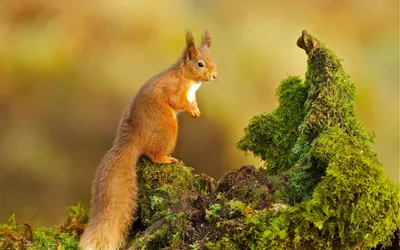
[191, 94]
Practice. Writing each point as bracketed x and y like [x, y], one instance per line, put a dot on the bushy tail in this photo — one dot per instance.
[114, 200]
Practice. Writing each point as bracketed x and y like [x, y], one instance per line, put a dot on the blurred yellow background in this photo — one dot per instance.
[68, 69]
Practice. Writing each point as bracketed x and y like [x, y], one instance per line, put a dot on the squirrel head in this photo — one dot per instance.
[196, 61]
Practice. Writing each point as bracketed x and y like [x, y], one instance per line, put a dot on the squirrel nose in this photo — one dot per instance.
[214, 76]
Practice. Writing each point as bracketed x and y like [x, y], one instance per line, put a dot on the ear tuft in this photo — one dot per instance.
[189, 39]
[207, 39]
[191, 51]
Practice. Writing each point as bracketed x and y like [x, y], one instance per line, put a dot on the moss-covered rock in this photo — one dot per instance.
[322, 186]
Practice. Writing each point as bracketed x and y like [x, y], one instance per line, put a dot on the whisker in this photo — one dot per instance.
[221, 79]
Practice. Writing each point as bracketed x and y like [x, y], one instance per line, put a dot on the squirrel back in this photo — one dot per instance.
[148, 127]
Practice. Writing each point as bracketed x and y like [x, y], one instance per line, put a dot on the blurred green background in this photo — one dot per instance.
[68, 69]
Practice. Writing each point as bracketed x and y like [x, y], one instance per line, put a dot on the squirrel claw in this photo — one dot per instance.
[165, 160]
[195, 113]
[174, 160]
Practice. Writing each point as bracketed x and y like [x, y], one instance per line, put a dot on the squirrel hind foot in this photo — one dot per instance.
[164, 159]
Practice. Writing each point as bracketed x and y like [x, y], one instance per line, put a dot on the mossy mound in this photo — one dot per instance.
[322, 164]
[322, 187]
[284, 138]
[183, 210]
[65, 236]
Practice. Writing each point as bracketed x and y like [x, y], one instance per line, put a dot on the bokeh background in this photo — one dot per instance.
[68, 69]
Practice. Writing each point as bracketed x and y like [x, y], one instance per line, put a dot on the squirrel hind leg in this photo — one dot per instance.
[163, 159]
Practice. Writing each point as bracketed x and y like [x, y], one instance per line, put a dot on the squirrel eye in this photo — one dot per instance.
[200, 64]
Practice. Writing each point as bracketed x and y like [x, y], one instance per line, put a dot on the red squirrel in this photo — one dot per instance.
[148, 127]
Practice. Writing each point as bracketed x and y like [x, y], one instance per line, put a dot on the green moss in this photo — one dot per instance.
[212, 212]
[341, 196]
[21, 236]
[272, 136]
[190, 210]
[237, 206]
[162, 186]
[224, 243]
[168, 195]
[247, 185]
[283, 138]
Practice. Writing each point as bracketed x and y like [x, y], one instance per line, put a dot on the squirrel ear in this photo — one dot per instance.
[191, 50]
[207, 39]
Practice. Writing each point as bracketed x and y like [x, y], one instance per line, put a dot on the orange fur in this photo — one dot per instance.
[149, 126]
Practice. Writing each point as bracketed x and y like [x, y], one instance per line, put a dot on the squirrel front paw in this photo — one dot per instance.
[195, 113]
